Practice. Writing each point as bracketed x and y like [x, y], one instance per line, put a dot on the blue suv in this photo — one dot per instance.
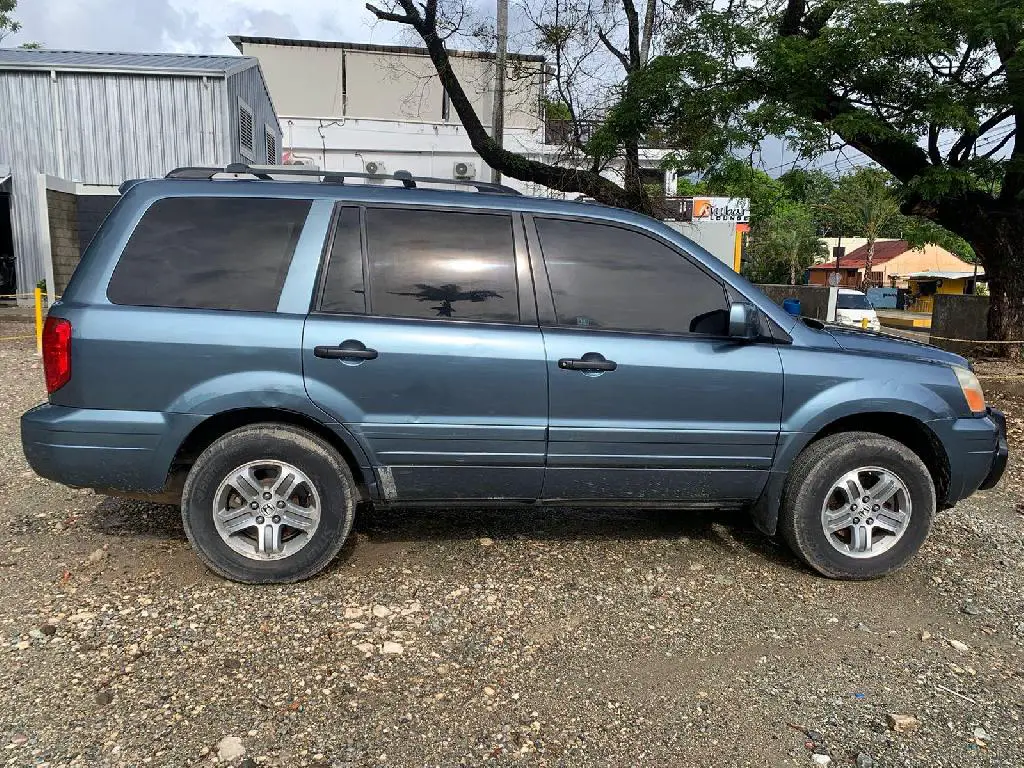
[270, 353]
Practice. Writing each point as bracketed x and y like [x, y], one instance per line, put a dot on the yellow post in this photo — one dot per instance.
[864, 322]
[39, 321]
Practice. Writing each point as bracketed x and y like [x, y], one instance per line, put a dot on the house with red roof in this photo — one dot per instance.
[893, 261]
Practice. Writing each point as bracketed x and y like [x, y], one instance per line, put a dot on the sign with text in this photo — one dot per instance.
[720, 209]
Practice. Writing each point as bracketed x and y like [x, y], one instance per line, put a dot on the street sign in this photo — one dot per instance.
[834, 279]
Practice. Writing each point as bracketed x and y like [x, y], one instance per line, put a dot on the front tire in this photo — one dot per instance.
[268, 504]
[857, 505]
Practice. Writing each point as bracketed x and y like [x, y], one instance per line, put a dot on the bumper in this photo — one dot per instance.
[977, 452]
[1002, 454]
[118, 450]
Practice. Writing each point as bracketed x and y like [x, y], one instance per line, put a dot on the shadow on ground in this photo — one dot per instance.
[727, 531]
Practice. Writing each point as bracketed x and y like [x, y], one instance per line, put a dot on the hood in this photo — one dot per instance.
[857, 340]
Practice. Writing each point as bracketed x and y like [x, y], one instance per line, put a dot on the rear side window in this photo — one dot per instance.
[611, 278]
[343, 284]
[442, 265]
[209, 253]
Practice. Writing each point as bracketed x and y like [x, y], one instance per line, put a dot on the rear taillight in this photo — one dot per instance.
[56, 353]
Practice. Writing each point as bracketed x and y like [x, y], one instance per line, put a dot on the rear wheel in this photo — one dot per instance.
[857, 505]
[268, 503]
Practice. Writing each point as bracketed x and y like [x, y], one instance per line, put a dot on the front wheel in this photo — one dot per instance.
[268, 503]
[857, 505]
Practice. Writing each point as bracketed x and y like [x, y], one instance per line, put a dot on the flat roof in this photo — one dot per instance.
[939, 275]
[240, 40]
[110, 61]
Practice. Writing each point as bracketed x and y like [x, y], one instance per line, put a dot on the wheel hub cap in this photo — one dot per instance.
[866, 512]
[266, 510]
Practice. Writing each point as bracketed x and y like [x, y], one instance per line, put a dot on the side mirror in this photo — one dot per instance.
[744, 321]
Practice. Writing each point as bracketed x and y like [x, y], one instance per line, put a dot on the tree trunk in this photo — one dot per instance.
[792, 270]
[995, 229]
[868, 264]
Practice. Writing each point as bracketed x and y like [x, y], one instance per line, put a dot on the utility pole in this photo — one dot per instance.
[498, 114]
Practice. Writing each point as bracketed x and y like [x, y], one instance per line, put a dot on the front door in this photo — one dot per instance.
[421, 346]
[649, 400]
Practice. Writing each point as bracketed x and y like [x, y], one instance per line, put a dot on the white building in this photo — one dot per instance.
[379, 108]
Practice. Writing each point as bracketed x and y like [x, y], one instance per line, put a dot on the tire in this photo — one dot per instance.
[815, 480]
[243, 468]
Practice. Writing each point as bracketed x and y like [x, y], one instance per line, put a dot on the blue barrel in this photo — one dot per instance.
[792, 306]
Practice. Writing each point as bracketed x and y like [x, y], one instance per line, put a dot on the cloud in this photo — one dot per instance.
[189, 26]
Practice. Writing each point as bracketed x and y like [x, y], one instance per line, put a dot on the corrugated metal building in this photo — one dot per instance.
[75, 122]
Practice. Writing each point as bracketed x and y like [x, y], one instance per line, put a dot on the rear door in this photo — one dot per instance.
[424, 342]
[649, 399]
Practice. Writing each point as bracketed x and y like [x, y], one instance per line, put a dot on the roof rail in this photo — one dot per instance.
[264, 173]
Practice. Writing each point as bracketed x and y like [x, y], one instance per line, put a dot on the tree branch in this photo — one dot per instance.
[1001, 144]
[648, 33]
[612, 49]
[633, 35]
[959, 151]
[383, 15]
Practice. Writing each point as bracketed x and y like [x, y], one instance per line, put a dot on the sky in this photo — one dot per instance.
[190, 26]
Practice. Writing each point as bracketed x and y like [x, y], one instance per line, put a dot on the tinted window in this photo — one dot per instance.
[343, 286]
[209, 253]
[441, 264]
[607, 277]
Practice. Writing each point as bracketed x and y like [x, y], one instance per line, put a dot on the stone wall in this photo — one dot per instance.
[62, 209]
[813, 298]
[959, 317]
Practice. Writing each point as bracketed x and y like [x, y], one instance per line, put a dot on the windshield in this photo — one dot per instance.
[853, 301]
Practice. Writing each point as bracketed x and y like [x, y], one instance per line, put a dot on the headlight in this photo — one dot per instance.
[971, 388]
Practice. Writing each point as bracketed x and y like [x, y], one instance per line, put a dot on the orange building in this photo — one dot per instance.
[893, 261]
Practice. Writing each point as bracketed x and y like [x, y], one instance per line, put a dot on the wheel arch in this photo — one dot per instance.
[210, 429]
[903, 428]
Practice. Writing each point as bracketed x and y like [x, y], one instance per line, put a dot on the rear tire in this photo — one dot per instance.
[268, 504]
[857, 505]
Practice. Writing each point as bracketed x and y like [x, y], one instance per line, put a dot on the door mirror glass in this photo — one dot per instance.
[744, 321]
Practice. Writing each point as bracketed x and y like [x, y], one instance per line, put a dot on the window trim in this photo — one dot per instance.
[247, 152]
[547, 315]
[527, 319]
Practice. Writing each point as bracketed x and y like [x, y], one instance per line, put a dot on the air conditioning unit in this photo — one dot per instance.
[463, 170]
[375, 167]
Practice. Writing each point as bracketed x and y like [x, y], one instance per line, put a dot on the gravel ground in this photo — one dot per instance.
[543, 637]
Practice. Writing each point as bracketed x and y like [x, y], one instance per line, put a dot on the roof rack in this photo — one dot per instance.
[264, 173]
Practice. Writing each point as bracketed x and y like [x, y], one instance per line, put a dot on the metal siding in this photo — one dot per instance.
[28, 147]
[250, 87]
[110, 128]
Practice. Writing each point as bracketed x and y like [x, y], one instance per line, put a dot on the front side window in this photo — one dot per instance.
[209, 253]
[441, 265]
[610, 278]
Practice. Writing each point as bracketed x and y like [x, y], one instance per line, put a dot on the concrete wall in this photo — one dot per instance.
[959, 317]
[813, 298]
[339, 80]
[62, 208]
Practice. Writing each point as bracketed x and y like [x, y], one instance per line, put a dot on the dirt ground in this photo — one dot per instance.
[545, 637]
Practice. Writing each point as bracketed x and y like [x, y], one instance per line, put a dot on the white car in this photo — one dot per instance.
[854, 309]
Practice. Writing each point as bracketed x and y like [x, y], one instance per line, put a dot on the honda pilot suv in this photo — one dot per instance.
[270, 353]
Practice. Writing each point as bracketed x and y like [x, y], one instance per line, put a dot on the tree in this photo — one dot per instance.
[784, 245]
[573, 35]
[930, 90]
[8, 24]
[863, 202]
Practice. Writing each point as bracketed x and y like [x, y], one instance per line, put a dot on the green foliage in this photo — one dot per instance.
[8, 24]
[782, 246]
[864, 203]
[876, 74]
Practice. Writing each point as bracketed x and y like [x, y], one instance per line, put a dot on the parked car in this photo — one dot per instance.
[855, 310]
[271, 353]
